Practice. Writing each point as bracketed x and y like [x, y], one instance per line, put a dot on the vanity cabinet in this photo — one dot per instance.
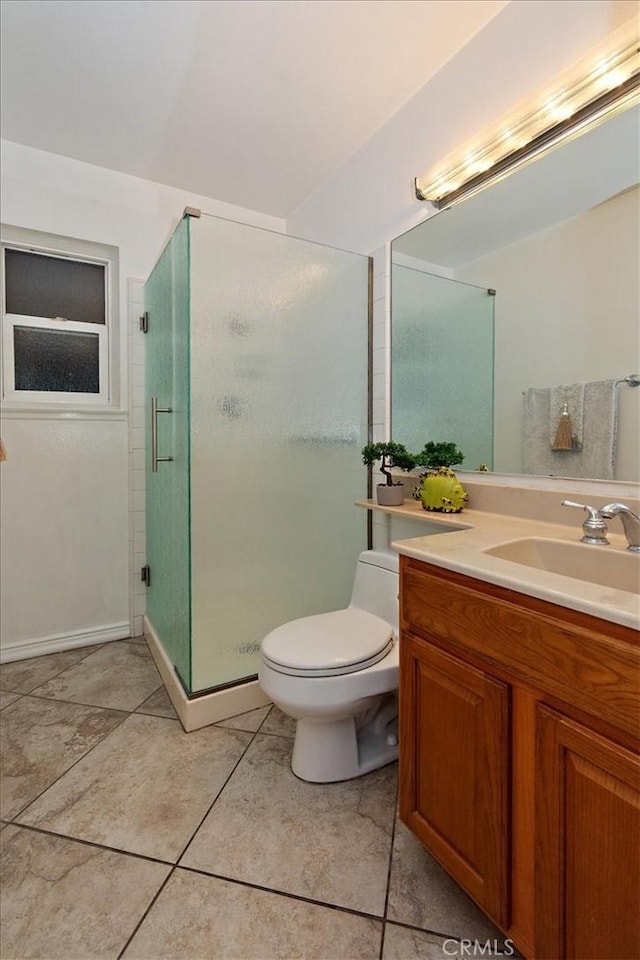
[519, 766]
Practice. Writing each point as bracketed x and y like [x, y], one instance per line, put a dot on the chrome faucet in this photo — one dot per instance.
[630, 522]
[594, 529]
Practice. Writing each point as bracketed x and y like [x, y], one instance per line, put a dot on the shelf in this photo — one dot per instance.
[412, 510]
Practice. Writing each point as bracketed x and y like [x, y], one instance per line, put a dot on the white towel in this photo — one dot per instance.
[596, 459]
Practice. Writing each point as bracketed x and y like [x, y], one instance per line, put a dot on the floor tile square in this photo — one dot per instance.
[210, 919]
[23, 676]
[68, 900]
[40, 740]
[329, 842]
[120, 675]
[158, 705]
[146, 788]
[422, 894]
[246, 721]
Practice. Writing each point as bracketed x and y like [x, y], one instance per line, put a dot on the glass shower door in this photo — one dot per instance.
[167, 451]
[279, 334]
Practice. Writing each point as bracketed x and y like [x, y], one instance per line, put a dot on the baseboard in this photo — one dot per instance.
[209, 708]
[25, 649]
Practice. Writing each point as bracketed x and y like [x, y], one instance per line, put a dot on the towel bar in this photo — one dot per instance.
[633, 380]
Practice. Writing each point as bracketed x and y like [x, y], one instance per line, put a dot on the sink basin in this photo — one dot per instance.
[606, 566]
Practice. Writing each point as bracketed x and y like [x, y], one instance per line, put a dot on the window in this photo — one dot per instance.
[57, 324]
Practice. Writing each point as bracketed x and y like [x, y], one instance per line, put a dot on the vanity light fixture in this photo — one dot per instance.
[611, 86]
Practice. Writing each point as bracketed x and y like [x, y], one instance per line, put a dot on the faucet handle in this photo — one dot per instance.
[594, 528]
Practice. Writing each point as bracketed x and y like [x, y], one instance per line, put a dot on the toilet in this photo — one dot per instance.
[336, 674]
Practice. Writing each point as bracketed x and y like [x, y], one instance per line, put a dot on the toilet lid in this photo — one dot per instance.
[329, 643]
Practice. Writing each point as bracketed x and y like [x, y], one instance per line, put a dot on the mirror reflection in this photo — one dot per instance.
[532, 379]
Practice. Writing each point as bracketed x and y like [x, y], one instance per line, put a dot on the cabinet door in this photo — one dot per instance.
[587, 843]
[454, 769]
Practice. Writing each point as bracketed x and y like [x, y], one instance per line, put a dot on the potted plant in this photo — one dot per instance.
[390, 454]
[439, 488]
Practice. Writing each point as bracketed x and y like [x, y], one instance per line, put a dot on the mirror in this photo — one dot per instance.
[559, 243]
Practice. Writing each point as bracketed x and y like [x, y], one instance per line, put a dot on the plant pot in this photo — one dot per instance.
[390, 495]
[442, 492]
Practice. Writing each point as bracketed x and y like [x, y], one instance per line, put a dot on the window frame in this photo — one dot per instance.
[79, 251]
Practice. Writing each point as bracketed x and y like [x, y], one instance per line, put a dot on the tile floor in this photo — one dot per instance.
[122, 836]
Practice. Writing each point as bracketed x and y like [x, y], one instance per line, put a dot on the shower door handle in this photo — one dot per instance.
[155, 410]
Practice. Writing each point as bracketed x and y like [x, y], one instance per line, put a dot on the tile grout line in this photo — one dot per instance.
[96, 706]
[176, 865]
[218, 876]
[390, 866]
[352, 911]
[200, 872]
[218, 794]
[74, 703]
[93, 649]
[146, 912]
[64, 772]
[184, 850]
[125, 714]
[17, 697]
[90, 843]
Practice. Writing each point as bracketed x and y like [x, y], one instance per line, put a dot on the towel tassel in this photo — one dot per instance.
[564, 434]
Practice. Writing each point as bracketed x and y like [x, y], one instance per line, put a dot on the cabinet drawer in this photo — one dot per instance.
[581, 660]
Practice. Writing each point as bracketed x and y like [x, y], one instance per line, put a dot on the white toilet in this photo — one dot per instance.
[337, 675]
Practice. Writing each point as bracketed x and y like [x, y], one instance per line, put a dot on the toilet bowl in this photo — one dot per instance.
[336, 674]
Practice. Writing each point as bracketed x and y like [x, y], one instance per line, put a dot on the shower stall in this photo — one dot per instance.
[257, 392]
[442, 363]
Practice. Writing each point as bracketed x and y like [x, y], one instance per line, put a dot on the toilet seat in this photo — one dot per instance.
[328, 644]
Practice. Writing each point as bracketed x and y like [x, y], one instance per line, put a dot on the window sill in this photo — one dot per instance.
[21, 411]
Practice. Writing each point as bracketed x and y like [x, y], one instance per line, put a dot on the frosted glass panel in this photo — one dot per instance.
[279, 415]
[56, 360]
[167, 379]
[442, 364]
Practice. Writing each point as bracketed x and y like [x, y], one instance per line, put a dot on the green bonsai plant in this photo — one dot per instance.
[439, 488]
[436, 455]
[390, 454]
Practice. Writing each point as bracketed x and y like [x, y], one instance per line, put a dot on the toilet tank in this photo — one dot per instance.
[375, 587]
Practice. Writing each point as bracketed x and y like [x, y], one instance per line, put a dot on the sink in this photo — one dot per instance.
[606, 566]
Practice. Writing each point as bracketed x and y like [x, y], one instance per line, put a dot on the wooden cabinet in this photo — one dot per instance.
[519, 761]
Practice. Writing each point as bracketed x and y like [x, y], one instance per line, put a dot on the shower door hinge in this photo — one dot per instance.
[145, 574]
[144, 322]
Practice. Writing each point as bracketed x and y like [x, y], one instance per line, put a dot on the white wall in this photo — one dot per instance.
[72, 512]
[567, 311]
[370, 199]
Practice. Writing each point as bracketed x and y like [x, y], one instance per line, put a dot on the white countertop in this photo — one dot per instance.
[462, 551]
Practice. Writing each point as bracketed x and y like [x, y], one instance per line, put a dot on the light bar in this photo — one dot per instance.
[613, 86]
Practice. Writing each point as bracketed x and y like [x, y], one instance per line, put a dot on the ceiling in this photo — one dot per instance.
[254, 102]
